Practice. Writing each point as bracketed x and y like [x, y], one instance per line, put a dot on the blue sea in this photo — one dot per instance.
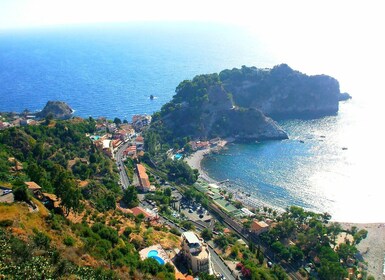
[111, 70]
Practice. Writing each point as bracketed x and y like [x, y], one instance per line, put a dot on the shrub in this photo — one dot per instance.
[20, 193]
[41, 239]
[6, 223]
[68, 241]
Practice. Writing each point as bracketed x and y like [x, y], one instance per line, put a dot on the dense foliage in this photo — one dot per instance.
[36, 259]
[57, 156]
[315, 241]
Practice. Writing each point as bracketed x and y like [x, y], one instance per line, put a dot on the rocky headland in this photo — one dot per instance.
[243, 103]
[56, 110]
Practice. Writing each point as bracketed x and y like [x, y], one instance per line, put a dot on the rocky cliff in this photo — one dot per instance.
[203, 108]
[283, 93]
[57, 110]
[242, 102]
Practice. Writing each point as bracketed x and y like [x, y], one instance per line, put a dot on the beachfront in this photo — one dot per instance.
[372, 248]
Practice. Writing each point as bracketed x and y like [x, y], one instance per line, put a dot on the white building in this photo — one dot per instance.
[196, 253]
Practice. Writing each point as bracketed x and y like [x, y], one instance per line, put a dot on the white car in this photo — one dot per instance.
[6, 192]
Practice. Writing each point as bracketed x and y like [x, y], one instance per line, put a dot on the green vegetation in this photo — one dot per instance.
[62, 160]
[315, 240]
[207, 234]
[37, 260]
[56, 157]
[130, 197]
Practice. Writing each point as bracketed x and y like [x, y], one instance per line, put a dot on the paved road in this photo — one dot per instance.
[219, 265]
[290, 270]
[217, 262]
[122, 172]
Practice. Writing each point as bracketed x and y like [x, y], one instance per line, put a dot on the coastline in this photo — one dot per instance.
[195, 160]
[372, 248]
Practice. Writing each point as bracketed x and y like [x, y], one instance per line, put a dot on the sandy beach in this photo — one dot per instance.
[372, 248]
[194, 160]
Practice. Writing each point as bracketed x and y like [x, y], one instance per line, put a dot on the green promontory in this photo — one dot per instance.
[241, 102]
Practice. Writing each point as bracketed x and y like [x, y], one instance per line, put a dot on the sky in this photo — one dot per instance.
[345, 34]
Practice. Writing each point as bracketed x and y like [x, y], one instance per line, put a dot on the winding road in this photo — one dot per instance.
[217, 262]
[119, 162]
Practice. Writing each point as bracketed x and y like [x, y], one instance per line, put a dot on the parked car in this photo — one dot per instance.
[6, 192]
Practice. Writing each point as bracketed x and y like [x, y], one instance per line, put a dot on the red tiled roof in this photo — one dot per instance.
[139, 210]
[258, 225]
[226, 230]
[139, 139]
[32, 186]
[143, 177]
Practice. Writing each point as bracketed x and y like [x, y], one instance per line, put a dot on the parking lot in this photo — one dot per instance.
[196, 212]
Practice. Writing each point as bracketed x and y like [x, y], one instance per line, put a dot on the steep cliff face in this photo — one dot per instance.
[282, 92]
[237, 102]
[209, 111]
[56, 109]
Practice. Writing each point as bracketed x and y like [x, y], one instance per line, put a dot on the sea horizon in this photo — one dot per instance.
[112, 71]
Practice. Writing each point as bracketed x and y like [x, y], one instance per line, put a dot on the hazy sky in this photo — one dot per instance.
[266, 14]
[347, 34]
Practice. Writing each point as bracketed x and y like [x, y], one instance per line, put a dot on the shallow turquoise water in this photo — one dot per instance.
[325, 166]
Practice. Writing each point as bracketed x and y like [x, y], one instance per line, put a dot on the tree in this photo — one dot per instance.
[221, 241]
[130, 197]
[346, 250]
[207, 234]
[331, 271]
[167, 192]
[180, 172]
[296, 253]
[359, 236]
[68, 192]
[117, 121]
[20, 193]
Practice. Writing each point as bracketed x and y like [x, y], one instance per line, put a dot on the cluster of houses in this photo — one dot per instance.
[50, 201]
[110, 136]
[14, 119]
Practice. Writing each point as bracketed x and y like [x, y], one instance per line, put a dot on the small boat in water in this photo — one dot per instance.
[152, 97]
[344, 148]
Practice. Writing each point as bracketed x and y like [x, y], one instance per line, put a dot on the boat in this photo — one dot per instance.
[151, 97]
[344, 148]
[301, 141]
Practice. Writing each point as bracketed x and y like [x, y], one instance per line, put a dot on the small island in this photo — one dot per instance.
[243, 103]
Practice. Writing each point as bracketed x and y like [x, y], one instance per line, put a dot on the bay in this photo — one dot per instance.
[111, 70]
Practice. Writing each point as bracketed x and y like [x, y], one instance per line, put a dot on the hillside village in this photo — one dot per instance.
[197, 230]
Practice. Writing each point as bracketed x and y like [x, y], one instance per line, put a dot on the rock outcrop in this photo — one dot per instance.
[242, 102]
[344, 96]
[56, 110]
[283, 93]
